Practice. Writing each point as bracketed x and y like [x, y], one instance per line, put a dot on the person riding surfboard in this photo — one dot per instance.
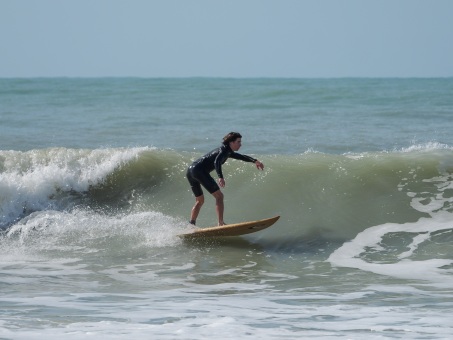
[198, 174]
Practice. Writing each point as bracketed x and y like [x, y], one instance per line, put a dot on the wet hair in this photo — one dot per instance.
[231, 137]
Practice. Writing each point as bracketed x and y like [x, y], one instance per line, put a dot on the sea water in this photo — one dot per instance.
[93, 195]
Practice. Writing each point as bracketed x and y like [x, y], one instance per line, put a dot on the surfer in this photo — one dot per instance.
[198, 173]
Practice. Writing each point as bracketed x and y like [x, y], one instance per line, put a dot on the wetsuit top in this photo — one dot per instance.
[217, 157]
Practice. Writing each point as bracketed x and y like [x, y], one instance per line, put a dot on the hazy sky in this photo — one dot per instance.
[228, 38]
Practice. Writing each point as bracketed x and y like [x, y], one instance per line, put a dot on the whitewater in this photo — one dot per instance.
[93, 195]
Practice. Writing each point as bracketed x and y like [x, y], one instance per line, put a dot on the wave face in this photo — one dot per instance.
[331, 196]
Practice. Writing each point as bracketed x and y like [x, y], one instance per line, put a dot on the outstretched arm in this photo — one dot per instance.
[246, 158]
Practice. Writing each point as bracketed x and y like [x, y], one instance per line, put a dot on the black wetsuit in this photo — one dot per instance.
[198, 172]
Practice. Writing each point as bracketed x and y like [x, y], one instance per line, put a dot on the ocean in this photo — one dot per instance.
[93, 196]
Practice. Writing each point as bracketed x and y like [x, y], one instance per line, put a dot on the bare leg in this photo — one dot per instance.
[196, 208]
[218, 195]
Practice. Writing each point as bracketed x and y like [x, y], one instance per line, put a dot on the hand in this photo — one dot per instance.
[259, 165]
[221, 182]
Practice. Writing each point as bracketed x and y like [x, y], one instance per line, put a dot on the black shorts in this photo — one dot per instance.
[197, 178]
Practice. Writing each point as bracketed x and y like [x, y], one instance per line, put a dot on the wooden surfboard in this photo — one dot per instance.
[236, 229]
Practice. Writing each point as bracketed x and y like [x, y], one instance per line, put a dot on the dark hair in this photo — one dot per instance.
[231, 137]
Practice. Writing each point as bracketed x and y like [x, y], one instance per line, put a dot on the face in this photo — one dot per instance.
[235, 145]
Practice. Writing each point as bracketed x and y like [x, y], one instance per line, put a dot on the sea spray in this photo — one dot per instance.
[44, 179]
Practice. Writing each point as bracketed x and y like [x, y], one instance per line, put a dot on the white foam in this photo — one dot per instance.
[82, 233]
[29, 180]
[430, 146]
[350, 253]
[191, 315]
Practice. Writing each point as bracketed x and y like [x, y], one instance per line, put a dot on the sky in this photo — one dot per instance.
[227, 38]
